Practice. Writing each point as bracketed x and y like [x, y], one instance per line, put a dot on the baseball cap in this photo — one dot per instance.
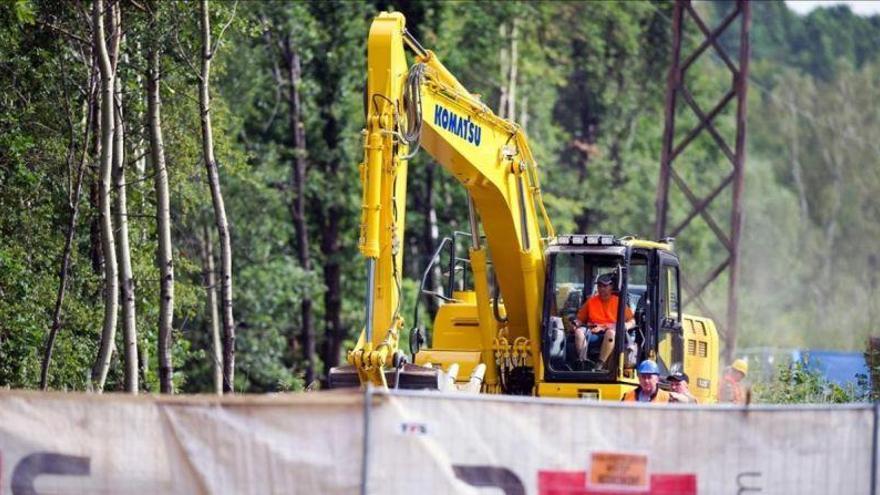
[678, 376]
[605, 279]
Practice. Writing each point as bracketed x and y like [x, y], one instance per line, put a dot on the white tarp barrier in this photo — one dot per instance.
[450, 444]
[424, 443]
[115, 444]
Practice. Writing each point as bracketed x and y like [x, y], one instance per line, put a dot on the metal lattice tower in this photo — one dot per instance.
[676, 92]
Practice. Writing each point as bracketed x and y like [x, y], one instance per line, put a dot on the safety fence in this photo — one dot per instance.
[422, 442]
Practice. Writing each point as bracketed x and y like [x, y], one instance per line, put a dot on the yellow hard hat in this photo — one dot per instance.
[741, 365]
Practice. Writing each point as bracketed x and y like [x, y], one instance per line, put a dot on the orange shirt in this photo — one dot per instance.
[596, 311]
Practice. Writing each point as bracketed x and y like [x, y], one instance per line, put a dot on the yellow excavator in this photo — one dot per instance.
[505, 323]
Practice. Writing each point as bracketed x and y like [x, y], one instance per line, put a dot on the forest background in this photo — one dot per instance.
[586, 81]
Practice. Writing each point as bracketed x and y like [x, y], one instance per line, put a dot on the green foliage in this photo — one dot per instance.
[23, 11]
[796, 383]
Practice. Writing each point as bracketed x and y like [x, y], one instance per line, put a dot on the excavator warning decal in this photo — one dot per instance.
[458, 125]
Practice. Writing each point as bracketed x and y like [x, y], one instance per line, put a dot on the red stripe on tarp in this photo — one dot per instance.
[574, 483]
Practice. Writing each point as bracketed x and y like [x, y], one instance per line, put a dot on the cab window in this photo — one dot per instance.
[574, 281]
[569, 284]
[638, 281]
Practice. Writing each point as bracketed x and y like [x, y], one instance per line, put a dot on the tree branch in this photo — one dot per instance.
[138, 6]
[63, 31]
[223, 30]
[276, 71]
[182, 53]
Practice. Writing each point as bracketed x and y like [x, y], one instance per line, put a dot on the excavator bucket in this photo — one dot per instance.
[408, 376]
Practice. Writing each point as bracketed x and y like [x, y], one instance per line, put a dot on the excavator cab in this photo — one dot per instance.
[645, 281]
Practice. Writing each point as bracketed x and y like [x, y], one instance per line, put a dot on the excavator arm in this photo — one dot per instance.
[425, 106]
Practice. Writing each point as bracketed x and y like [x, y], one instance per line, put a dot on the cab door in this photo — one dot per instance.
[670, 338]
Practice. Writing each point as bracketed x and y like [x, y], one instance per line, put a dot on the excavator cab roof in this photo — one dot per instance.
[606, 240]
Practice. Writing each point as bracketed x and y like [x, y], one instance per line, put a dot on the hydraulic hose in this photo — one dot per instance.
[412, 103]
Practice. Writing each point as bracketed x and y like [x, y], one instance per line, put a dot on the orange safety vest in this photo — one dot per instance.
[660, 396]
[736, 395]
[596, 311]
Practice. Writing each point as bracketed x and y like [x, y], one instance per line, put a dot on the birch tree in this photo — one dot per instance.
[213, 316]
[217, 198]
[111, 284]
[126, 281]
[509, 63]
[164, 255]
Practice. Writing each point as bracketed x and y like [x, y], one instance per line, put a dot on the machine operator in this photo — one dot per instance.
[598, 318]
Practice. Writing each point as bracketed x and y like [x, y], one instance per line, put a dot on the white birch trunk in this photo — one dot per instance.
[211, 306]
[126, 281]
[219, 207]
[512, 76]
[503, 64]
[163, 218]
[111, 287]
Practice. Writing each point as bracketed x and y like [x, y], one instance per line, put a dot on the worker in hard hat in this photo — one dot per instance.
[732, 388]
[680, 391]
[649, 385]
[596, 321]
